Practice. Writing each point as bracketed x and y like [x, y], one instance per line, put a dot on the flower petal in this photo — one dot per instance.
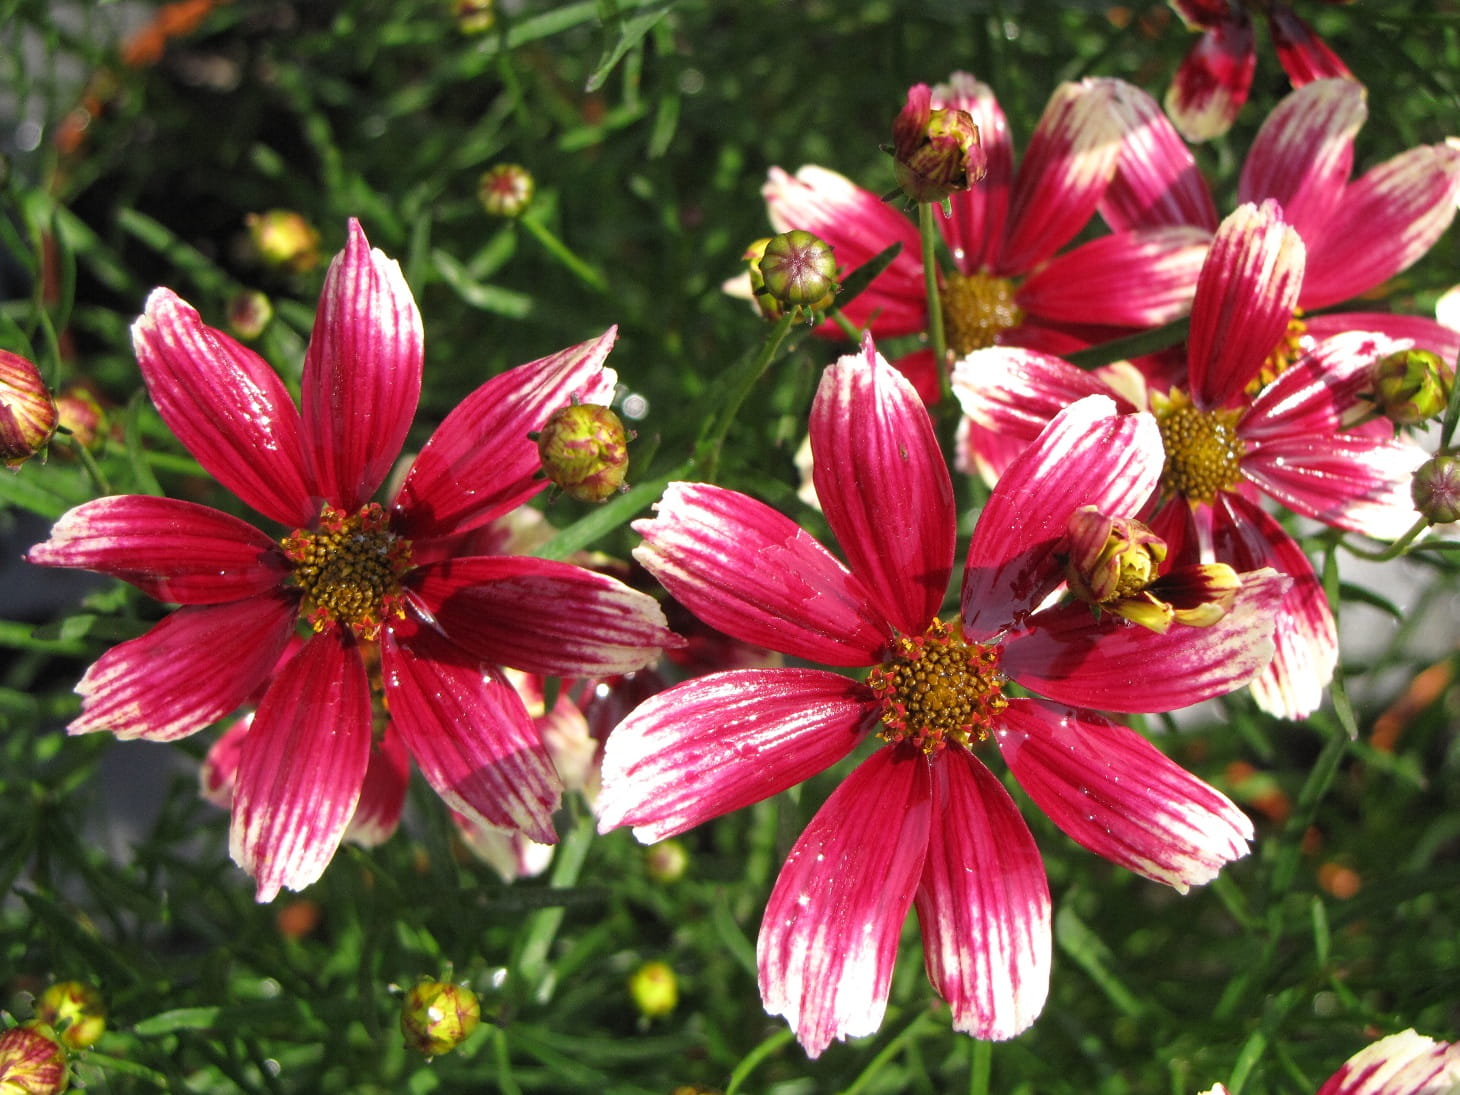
[543, 616]
[302, 765]
[1304, 153]
[480, 462]
[173, 551]
[1213, 81]
[976, 228]
[1134, 279]
[750, 571]
[1246, 295]
[1116, 794]
[983, 903]
[1388, 219]
[1087, 456]
[1303, 55]
[720, 742]
[829, 937]
[1114, 665]
[1317, 394]
[190, 670]
[1156, 182]
[1349, 481]
[383, 794]
[226, 405]
[884, 486]
[468, 731]
[362, 373]
[1401, 1064]
[1426, 334]
[858, 225]
[1305, 639]
[1069, 162]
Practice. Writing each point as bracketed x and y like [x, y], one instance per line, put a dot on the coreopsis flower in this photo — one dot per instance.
[922, 820]
[1406, 1063]
[1012, 283]
[1229, 441]
[28, 414]
[1214, 79]
[935, 152]
[386, 600]
[1358, 232]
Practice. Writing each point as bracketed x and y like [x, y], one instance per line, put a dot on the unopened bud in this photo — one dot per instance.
[798, 269]
[284, 240]
[505, 190]
[584, 449]
[75, 1010]
[655, 989]
[249, 312]
[935, 152]
[437, 1016]
[1412, 386]
[666, 861]
[28, 414]
[474, 16]
[81, 414]
[1436, 490]
[32, 1062]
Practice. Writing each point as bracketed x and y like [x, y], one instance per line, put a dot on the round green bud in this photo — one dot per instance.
[666, 861]
[1436, 490]
[797, 268]
[506, 190]
[438, 1016]
[1412, 386]
[584, 450]
[655, 989]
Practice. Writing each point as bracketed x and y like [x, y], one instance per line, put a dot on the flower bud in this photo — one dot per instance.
[1412, 386]
[505, 190]
[28, 413]
[796, 268]
[666, 861]
[585, 451]
[438, 1016]
[81, 414]
[935, 152]
[32, 1062]
[474, 16]
[284, 240]
[655, 989]
[75, 1010]
[1436, 490]
[249, 312]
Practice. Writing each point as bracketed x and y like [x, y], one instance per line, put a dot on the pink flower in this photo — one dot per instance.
[397, 617]
[1226, 446]
[1214, 79]
[1401, 1064]
[1359, 232]
[924, 821]
[1012, 285]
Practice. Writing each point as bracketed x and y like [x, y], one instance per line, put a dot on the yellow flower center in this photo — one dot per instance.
[1289, 348]
[1203, 451]
[977, 308]
[350, 569]
[938, 688]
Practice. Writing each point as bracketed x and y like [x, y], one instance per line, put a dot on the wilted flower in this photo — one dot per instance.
[360, 600]
[28, 413]
[936, 152]
[284, 240]
[437, 1016]
[32, 1062]
[505, 190]
[584, 450]
[923, 820]
[75, 1010]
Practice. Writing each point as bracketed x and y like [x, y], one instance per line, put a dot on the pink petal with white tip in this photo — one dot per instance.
[756, 575]
[383, 794]
[1140, 278]
[1156, 182]
[983, 903]
[884, 486]
[196, 666]
[829, 937]
[1214, 79]
[720, 742]
[1116, 794]
[302, 766]
[1401, 1064]
[1303, 55]
[362, 373]
[227, 406]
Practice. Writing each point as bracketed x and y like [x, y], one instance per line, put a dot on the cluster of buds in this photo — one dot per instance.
[283, 240]
[793, 270]
[505, 190]
[1114, 563]
[1412, 386]
[584, 450]
[935, 152]
[437, 1016]
[28, 413]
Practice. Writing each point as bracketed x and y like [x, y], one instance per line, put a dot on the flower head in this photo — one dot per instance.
[1401, 1064]
[921, 820]
[28, 414]
[355, 619]
[936, 152]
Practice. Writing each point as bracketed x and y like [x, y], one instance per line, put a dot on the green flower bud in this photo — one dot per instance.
[505, 190]
[1412, 386]
[81, 415]
[28, 414]
[438, 1016]
[796, 268]
[32, 1062]
[75, 1010]
[284, 240]
[474, 16]
[1436, 490]
[666, 861]
[584, 450]
[249, 312]
[935, 152]
[655, 989]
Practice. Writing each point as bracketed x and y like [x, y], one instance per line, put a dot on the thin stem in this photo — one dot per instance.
[928, 229]
[1394, 550]
[93, 469]
[538, 940]
[591, 277]
[980, 1067]
[743, 377]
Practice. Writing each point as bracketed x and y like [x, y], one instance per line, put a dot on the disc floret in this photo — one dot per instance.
[938, 688]
[350, 569]
[977, 309]
[1203, 451]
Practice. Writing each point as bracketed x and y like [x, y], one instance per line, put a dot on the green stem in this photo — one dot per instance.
[93, 469]
[1394, 550]
[743, 377]
[928, 229]
[559, 250]
[980, 1067]
[532, 963]
[753, 1059]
